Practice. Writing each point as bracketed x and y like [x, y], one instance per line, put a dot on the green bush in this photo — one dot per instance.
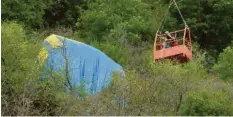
[116, 52]
[206, 103]
[16, 67]
[14, 57]
[224, 67]
[103, 16]
[22, 93]
[28, 12]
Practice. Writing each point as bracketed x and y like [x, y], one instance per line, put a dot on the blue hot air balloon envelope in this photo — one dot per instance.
[85, 64]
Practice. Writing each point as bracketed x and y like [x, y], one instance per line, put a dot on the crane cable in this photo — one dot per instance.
[180, 13]
[165, 17]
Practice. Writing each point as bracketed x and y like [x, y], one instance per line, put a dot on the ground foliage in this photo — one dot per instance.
[124, 30]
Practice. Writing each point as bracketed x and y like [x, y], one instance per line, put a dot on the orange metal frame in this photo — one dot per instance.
[183, 50]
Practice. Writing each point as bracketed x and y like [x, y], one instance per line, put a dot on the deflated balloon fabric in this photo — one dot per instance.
[86, 65]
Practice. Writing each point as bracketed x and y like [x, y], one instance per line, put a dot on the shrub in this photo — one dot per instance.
[206, 103]
[28, 12]
[103, 16]
[224, 67]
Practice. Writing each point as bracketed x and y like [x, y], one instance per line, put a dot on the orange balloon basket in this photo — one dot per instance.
[175, 45]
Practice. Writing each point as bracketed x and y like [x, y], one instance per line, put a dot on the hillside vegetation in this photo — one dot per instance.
[124, 30]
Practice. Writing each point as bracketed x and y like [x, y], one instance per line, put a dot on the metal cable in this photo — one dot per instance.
[180, 13]
[164, 18]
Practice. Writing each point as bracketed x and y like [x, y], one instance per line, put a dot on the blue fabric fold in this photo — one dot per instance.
[87, 67]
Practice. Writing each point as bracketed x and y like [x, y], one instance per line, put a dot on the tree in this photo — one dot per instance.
[64, 12]
[104, 17]
[24, 92]
[202, 15]
[30, 12]
[43, 13]
[16, 68]
[224, 67]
